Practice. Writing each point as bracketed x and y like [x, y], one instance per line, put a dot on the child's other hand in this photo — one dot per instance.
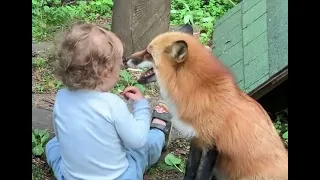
[132, 92]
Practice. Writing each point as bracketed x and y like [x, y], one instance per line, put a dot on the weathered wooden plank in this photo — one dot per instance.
[137, 22]
[121, 22]
[158, 27]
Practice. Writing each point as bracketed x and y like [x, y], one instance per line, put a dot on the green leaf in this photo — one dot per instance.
[207, 19]
[173, 11]
[141, 87]
[165, 167]
[45, 138]
[41, 132]
[38, 150]
[285, 135]
[109, 2]
[58, 84]
[34, 2]
[182, 166]
[120, 88]
[187, 18]
[36, 131]
[34, 138]
[172, 160]
[133, 81]
[125, 75]
[46, 8]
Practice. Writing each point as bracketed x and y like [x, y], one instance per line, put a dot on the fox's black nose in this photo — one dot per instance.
[124, 63]
[124, 60]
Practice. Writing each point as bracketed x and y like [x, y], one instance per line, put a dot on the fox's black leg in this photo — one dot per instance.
[208, 161]
[193, 162]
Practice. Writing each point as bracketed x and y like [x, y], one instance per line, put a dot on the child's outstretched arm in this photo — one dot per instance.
[133, 127]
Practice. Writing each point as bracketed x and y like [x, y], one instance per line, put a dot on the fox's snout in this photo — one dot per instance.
[131, 62]
[140, 60]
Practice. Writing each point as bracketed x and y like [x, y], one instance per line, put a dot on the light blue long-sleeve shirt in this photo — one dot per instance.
[93, 130]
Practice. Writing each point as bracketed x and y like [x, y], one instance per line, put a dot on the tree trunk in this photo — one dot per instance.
[137, 22]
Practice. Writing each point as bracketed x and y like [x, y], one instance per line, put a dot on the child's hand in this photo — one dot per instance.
[133, 93]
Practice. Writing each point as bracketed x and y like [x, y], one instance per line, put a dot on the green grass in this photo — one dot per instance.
[50, 16]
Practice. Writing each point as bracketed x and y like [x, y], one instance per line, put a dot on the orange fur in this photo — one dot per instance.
[207, 98]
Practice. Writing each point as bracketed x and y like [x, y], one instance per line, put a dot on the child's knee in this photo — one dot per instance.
[52, 144]
[52, 150]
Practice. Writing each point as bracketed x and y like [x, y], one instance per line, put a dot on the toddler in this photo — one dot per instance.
[96, 137]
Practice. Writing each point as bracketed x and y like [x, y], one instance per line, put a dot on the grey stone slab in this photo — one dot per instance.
[42, 119]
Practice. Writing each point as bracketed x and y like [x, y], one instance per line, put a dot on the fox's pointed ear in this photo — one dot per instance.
[178, 50]
[187, 28]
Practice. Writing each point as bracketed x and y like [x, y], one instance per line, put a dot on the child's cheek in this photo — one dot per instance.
[118, 75]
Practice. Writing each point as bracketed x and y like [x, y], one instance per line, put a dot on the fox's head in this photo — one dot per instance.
[172, 46]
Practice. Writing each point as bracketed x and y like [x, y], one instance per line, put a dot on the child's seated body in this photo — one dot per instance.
[97, 138]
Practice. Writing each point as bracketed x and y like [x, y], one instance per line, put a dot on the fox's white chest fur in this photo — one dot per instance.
[184, 129]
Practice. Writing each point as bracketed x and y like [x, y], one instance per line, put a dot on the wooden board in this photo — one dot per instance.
[137, 22]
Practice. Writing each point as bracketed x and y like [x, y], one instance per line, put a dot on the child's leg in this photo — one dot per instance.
[54, 157]
[158, 138]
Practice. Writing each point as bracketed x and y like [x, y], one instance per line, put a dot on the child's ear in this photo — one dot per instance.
[178, 50]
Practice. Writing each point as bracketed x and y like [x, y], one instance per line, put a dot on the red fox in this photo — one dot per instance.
[207, 105]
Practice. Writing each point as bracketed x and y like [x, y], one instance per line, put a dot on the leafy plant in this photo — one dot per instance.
[285, 135]
[127, 80]
[39, 62]
[49, 16]
[39, 138]
[173, 161]
[200, 15]
[281, 125]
